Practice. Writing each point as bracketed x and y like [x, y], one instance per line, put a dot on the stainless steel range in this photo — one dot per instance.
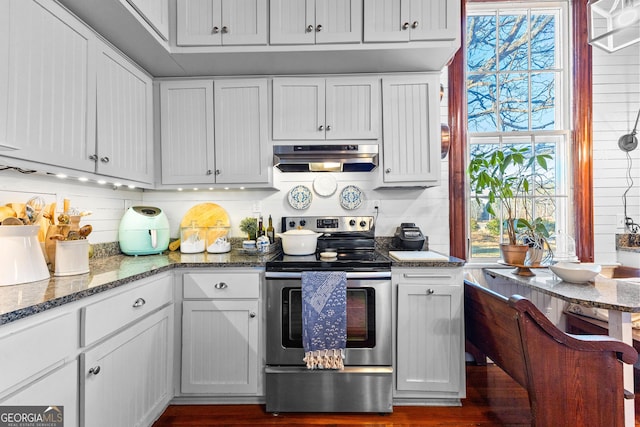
[365, 384]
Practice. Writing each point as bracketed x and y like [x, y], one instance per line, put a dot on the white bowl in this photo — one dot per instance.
[576, 272]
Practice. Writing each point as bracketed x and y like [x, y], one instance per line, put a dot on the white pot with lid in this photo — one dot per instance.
[21, 257]
[299, 242]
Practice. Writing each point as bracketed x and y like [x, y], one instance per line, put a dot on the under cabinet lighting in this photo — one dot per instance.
[614, 24]
[102, 182]
[61, 175]
[83, 179]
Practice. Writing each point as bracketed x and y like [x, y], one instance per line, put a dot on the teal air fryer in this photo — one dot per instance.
[144, 230]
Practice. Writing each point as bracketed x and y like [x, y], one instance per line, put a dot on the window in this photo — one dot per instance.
[517, 74]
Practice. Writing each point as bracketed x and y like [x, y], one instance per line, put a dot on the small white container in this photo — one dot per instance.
[21, 257]
[72, 257]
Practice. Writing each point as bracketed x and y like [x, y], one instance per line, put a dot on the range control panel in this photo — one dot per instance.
[328, 224]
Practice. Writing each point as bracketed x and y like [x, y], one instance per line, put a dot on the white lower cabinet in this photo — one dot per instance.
[126, 380]
[429, 360]
[220, 334]
[58, 389]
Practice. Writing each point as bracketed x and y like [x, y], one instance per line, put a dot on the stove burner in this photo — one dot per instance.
[351, 238]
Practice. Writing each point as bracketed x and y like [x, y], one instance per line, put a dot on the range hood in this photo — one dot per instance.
[326, 158]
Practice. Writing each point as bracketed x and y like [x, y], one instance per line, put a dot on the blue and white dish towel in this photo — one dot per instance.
[324, 318]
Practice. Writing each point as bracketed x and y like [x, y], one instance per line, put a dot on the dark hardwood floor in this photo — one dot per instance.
[493, 399]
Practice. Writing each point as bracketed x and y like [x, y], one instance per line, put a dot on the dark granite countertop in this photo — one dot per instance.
[610, 294]
[19, 301]
[111, 271]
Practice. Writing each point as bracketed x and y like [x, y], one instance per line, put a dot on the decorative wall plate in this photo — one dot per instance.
[300, 197]
[351, 197]
[325, 185]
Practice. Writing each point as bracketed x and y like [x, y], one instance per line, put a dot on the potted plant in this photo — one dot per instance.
[249, 225]
[505, 177]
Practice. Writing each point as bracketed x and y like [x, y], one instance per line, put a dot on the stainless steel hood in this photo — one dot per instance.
[326, 158]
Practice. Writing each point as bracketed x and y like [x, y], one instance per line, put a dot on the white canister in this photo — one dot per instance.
[21, 257]
[262, 244]
[72, 257]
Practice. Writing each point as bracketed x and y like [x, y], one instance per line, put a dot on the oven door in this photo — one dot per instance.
[368, 322]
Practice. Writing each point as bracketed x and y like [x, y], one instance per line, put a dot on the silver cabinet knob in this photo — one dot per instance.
[104, 159]
[415, 24]
[139, 303]
[321, 127]
[405, 26]
[318, 28]
[209, 171]
[388, 170]
[309, 28]
[328, 128]
[221, 285]
[225, 29]
[215, 30]
[430, 291]
[218, 172]
[93, 157]
[95, 370]
[252, 314]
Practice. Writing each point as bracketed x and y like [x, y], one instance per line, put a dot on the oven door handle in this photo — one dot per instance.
[350, 274]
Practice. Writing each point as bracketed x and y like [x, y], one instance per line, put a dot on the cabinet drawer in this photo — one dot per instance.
[104, 317]
[36, 348]
[222, 285]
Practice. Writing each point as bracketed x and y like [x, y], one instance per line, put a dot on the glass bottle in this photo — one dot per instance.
[270, 231]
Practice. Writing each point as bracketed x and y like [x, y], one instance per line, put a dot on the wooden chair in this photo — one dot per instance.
[571, 380]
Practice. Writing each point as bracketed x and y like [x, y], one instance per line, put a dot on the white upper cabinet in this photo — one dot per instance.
[315, 21]
[242, 131]
[411, 20]
[238, 150]
[155, 13]
[124, 147]
[221, 22]
[411, 130]
[186, 121]
[47, 86]
[332, 109]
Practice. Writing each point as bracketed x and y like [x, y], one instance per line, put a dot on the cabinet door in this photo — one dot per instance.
[155, 13]
[127, 379]
[186, 115]
[386, 20]
[292, 22]
[411, 129]
[244, 22]
[298, 108]
[125, 118]
[49, 109]
[434, 19]
[56, 389]
[241, 131]
[338, 21]
[352, 108]
[199, 22]
[429, 344]
[220, 347]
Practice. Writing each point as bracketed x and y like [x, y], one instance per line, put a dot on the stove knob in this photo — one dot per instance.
[303, 222]
[363, 223]
[292, 224]
[352, 222]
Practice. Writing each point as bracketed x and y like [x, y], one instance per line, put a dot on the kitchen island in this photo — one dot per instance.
[620, 297]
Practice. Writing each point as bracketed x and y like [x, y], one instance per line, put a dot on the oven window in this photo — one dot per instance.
[361, 319]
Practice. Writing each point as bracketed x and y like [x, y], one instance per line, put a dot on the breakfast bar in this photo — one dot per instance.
[621, 297]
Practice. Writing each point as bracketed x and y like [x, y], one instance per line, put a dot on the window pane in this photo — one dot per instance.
[481, 98]
[514, 102]
[543, 41]
[481, 43]
[546, 179]
[485, 231]
[514, 42]
[543, 101]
